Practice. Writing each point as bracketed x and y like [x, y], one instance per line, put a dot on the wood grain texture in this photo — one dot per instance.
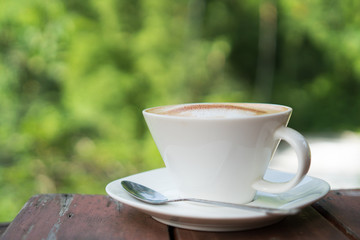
[67, 216]
[342, 208]
[308, 224]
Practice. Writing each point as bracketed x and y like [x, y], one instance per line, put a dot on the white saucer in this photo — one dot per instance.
[205, 217]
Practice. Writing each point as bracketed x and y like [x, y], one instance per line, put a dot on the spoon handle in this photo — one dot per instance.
[267, 210]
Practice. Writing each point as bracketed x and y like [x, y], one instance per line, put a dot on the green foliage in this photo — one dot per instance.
[75, 76]
[319, 64]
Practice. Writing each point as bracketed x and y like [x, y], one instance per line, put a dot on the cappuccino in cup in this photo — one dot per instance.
[217, 110]
[221, 151]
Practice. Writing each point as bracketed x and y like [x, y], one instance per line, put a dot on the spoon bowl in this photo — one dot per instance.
[151, 196]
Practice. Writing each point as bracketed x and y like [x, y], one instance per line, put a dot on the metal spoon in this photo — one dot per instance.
[149, 195]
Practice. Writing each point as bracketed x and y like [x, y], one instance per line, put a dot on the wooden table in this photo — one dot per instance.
[73, 216]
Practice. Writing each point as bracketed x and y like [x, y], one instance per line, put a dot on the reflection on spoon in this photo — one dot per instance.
[149, 195]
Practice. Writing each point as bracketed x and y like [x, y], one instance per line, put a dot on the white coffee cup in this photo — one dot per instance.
[221, 151]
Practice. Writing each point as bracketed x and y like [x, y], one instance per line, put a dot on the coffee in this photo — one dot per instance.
[220, 151]
[218, 110]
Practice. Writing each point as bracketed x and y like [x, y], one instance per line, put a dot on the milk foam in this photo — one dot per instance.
[217, 110]
[215, 113]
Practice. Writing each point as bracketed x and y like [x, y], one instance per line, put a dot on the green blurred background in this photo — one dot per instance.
[75, 76]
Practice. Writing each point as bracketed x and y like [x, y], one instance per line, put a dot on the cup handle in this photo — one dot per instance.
[302, 150]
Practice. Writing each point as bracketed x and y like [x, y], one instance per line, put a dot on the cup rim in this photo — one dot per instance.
[286, 111]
